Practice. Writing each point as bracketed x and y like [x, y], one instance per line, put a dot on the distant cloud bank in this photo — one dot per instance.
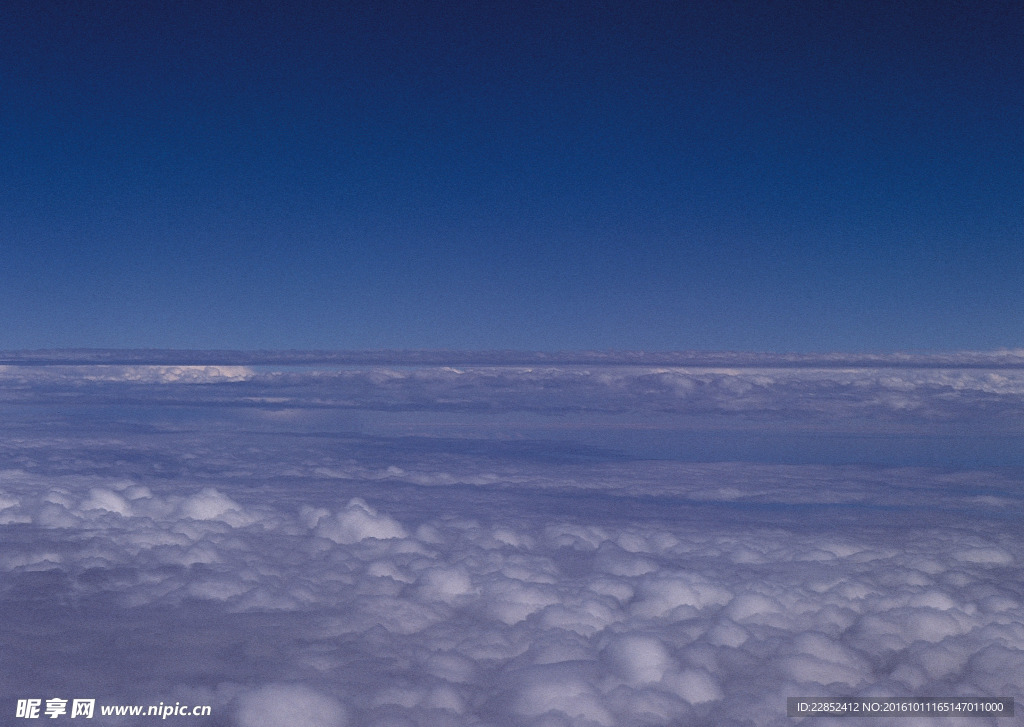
[892, 398]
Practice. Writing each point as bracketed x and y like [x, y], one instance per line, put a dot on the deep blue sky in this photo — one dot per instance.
[555, 175]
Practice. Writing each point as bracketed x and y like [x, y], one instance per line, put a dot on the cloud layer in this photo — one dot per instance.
[297, 577]
[872, 398]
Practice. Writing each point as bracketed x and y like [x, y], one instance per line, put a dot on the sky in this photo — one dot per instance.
[512, 175]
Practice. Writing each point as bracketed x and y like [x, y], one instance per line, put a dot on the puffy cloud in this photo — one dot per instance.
[210, 505]
[357, 521]
[639, 659]
[564, 690]
[286, 705]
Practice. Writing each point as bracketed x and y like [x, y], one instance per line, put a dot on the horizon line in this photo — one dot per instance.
[1000, 358]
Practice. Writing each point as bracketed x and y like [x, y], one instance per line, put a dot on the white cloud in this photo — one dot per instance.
[287, 705]
[357, 521]
[139, 374]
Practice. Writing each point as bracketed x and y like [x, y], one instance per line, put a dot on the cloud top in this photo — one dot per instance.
[490, 614]
[224, 543]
